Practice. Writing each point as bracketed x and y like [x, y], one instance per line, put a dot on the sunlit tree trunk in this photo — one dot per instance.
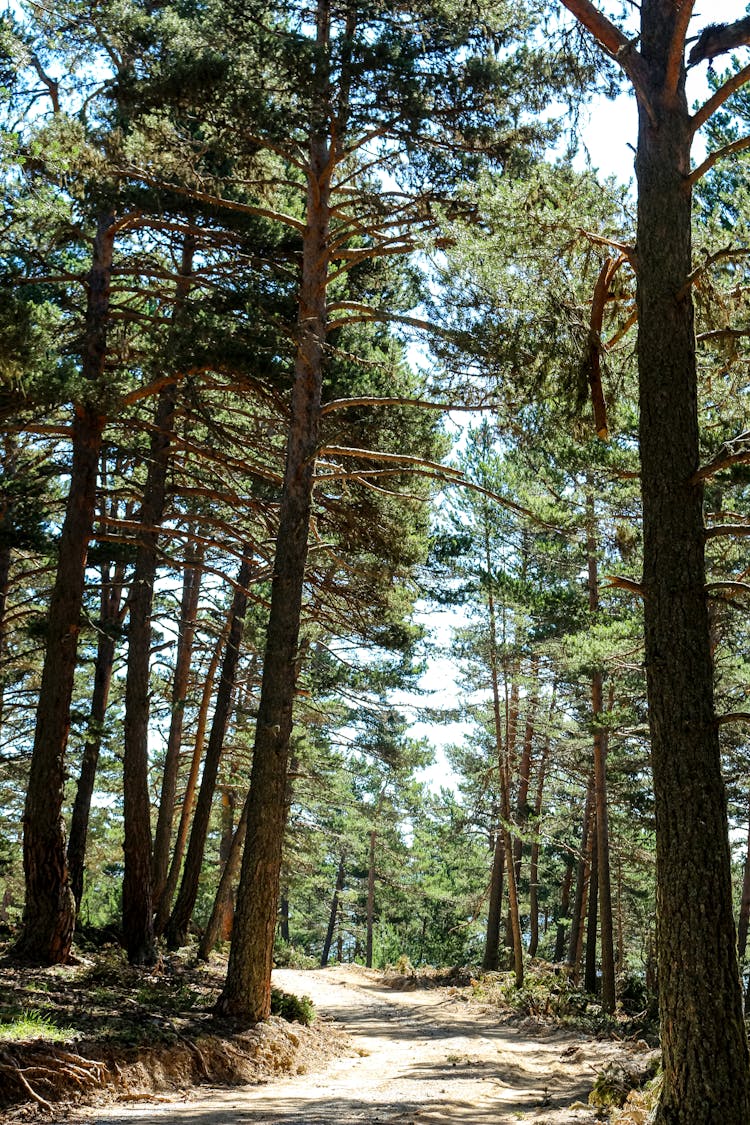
[111, 620]
[49, 910]
[247, 991]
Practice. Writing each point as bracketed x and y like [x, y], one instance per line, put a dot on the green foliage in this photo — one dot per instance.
[294, 1009]
[33, 1024]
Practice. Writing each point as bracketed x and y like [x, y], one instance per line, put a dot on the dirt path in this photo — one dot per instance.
[424, 1057]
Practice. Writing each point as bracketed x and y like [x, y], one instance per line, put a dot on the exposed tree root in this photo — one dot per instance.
[57, 1071]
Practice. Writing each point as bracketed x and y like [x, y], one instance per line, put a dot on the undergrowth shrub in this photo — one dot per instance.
[294, 1009]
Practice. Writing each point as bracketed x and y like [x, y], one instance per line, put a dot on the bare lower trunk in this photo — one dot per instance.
[601, 850]
[564, 908]
[590, 981]
[534, 862]
[177, 929]
[212, 932]
[165, 903]
[247, 991]
[575, 945]
[49, 911]
[491, 959]
[370, 901]
[188, 618]
[111, 597]
[333, 915]
[704, 1045]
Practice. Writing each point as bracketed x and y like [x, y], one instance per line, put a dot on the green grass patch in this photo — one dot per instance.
[33, 1024]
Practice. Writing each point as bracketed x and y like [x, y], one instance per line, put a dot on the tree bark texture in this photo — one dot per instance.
[49, 911]
[604, 888]
[111, 616]
[575, 945]
[137, 899]
[491, 959]
[247, 991]
[705, 1053]
[177, 930]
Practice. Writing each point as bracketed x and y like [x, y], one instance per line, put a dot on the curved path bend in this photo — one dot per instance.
[420, 1057]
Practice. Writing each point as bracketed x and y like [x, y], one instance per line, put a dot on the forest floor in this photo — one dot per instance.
[385, 1048]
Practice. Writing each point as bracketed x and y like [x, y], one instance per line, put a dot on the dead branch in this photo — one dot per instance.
[621, 583]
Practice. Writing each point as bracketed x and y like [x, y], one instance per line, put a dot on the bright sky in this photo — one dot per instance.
[610, 132]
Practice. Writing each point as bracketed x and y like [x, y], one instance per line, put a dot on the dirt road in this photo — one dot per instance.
[425, 1057]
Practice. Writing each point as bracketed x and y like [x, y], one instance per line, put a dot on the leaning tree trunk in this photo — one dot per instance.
[111, 616]
[334, 912]
[137, 899]
[212, 933]
[191, 784]
[49, 911]
[247, 991]
[491, 958]
[186, 635]
[177, 929]
[704, 1045]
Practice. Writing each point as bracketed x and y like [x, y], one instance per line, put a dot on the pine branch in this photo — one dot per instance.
[616, 44]
[701, 116]
[719, 39]
[677, 47]
[718, 154]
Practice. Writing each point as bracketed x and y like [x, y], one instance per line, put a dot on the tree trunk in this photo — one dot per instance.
[575, 945]
[534, 862]
[340, 875]
[590, 981]
[212, 932]
[564, 908]
[524, 770]
[165, 903]
[284, 917]
[186, 635]
[370, 900]
[225, 846]
[137, 901]
[744, 901]
[49, 912]
[704, 1045]
[247, 991]
[491, 959]
[177, 929]
[601, 850]
[111, 617]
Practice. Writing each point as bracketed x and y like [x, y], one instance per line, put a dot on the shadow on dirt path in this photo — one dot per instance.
[424, 1057]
